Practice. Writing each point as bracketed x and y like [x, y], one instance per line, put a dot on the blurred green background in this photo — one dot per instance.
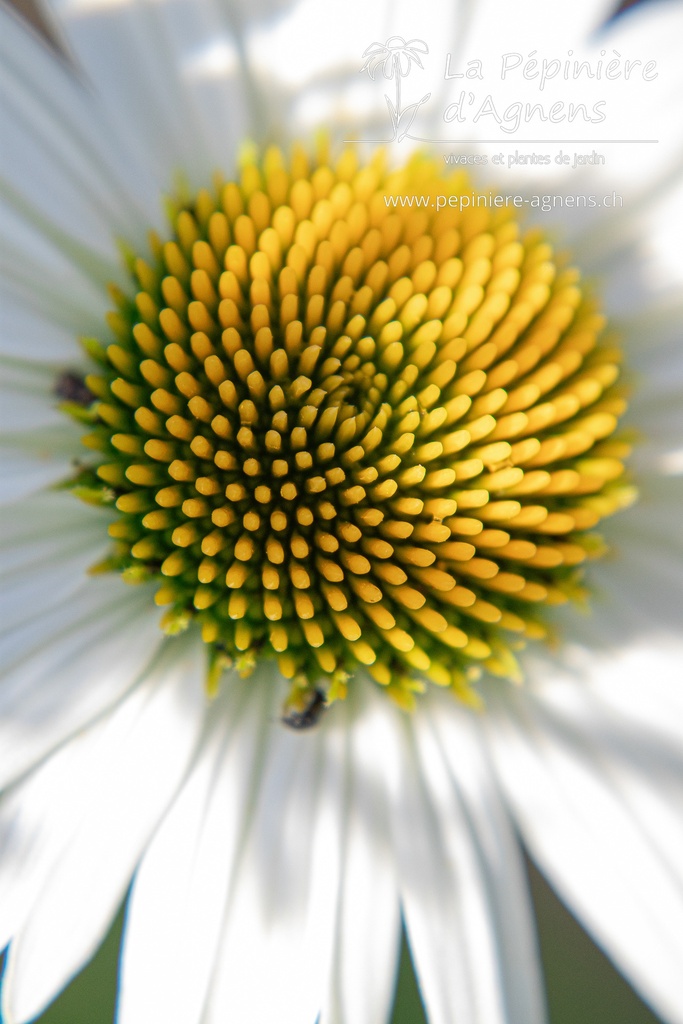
[582, 986]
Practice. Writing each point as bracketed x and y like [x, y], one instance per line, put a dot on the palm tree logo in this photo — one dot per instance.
[395, 58]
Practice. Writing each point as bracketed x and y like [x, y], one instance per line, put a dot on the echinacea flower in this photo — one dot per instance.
[277, 531]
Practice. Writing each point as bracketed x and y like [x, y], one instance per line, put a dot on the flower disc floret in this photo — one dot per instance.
[343, 433]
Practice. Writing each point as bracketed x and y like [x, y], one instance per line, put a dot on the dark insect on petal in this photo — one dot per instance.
[306, 715]
[71, 387]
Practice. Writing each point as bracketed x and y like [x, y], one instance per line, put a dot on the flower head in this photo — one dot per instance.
[345, 435]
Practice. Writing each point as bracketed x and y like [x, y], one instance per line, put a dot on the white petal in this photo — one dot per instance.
[181, 886]
[451, 908]
[497, 28]
[656, 706]
[502, 865]
[320, 84]
[632, 251]
[368, 929]
[27, 398]
[276, 951]
[61, 670]
[637, 731]
[45, 331]
[597, 798]
[147, 62]
[26, 472]
[633, 108]
[42, 281]
[36, 825]
[134, 769]
[648, 32]
[656, 405]
[38, 531]
[38, 585]
[64, 167]
[637, 589]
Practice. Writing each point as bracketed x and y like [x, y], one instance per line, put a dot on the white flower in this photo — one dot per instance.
[271, 869]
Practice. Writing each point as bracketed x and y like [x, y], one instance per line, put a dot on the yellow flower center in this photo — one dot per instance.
[340, 432]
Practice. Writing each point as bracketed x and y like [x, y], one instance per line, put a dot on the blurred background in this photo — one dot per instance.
[582, 986]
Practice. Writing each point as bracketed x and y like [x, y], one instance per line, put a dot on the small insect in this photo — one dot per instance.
[307, 714]
[71, 387]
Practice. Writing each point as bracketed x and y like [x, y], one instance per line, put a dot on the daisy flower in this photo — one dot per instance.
[290, 477]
